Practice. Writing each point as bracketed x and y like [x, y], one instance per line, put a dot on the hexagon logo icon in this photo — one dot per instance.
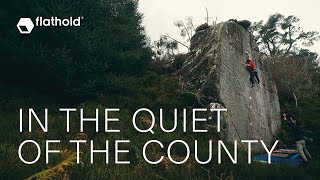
[25, 25]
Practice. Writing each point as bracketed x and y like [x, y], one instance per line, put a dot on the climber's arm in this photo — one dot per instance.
[245, 64]
[293, 121]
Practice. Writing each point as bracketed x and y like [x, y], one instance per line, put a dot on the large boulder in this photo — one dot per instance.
[213, 69]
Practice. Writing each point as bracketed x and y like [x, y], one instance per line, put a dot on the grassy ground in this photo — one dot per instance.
[156, 91]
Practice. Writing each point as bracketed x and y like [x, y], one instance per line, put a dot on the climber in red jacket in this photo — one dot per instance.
[252, 69]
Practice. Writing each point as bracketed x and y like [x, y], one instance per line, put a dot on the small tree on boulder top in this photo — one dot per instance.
[187, 29]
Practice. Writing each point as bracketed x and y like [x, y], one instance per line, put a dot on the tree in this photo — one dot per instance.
[165, 46]
[281, 35]
[293, 77]
[99, 57]
[187, 29]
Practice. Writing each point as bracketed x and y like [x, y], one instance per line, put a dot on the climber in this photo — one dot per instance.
[300, 142]
[286, 133]
[285, 124]
[252, 69]
[286, 120]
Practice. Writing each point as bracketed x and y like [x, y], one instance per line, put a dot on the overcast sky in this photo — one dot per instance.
[160, 15]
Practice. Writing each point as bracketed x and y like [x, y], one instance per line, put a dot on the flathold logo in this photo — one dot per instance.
[25, 25]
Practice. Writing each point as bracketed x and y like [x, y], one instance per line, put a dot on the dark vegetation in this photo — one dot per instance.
[107, 62]
[107, 52]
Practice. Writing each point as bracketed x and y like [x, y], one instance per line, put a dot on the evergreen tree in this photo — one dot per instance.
[107, 51]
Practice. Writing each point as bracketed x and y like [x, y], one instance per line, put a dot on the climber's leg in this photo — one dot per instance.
[306, 151]
[300, 149]
[256, 76]
[252, 78]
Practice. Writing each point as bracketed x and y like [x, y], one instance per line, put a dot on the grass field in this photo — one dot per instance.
[160, 91]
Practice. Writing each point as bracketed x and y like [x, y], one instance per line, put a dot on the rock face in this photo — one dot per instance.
[213, 69]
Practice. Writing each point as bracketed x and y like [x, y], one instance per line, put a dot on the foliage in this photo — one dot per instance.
[166, 46]
[293, 77]
[282, 35]
[165, 49]
[74, 62]
[59, 171]
[187, 29]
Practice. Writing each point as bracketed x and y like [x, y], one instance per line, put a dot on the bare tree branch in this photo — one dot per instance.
[178, 42]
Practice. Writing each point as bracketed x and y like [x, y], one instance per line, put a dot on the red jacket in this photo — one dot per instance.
[252, 66]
